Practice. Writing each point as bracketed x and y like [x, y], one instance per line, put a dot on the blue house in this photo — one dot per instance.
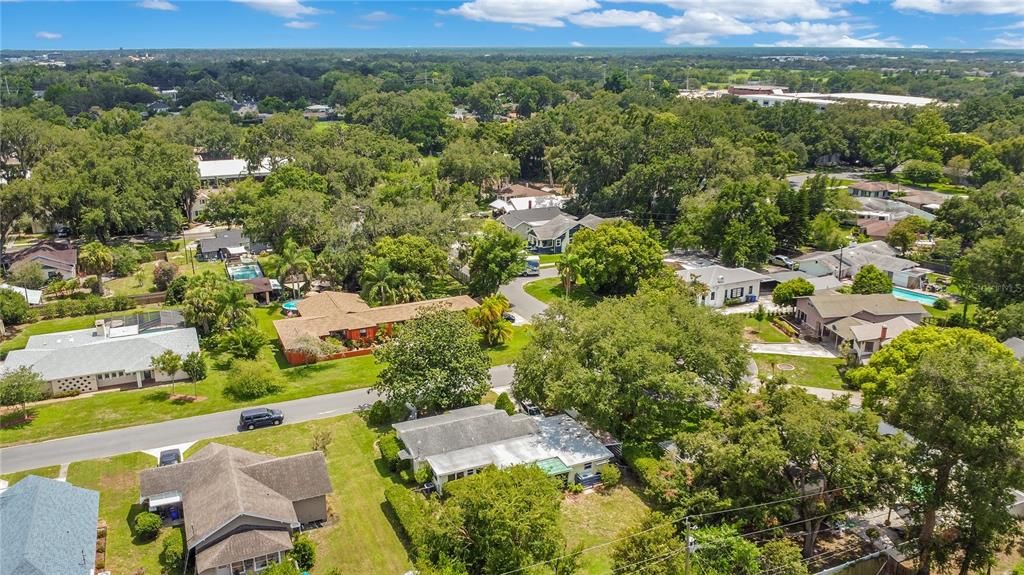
[547, 230]
[48, 527]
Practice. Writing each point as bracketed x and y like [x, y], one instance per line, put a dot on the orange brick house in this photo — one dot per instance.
[346, 316]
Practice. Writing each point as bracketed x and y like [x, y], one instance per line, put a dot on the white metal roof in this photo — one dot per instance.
[231, 169]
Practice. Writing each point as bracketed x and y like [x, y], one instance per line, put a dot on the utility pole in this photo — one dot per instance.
[686, 535]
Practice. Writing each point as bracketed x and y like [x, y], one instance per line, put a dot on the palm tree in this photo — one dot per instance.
[568, 270]
[489, 317]
[96, 258]
[380, 283]
[293, 260]
[233, 306]
[409, 289]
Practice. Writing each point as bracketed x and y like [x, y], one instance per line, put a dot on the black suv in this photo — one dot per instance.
[170, 457]
[260, 417]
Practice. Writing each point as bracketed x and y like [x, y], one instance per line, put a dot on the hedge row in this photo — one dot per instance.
[89, 305]
[411, 511]
[389, 447]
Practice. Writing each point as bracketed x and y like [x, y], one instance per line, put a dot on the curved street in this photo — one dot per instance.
[523, 303]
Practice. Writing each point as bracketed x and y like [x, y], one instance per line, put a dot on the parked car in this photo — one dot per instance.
[170, 457]
[509, 316]
[529, 407]
[781, 260]
[260, 417]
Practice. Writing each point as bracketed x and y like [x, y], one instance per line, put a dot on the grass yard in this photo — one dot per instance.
[50, 472]
[117, 480]
[550, 258]
[599, 517]
[118, 409]
[548, 290]
[763, 331]
[941, 187]
[809, 371]
[130, 286]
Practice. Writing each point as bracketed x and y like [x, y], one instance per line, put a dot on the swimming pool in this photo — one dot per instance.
[290, 305]
[911, 295]
[245, 272]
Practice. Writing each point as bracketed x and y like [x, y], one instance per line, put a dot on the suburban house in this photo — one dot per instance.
[870, 190]
[215, 174]
[831, 317]
[846, 262]
[547, 230]
[56, 261]
[464, 441]
[820, 283]
[867, 337]
[875, 229]
[1016, 345]
[239, 508]
[347, 317]
[32, 296]
[48, 527]
[262, 290]
[226, 244]
[512, 197]
[725, 285]
[318, 112]
[117, 352]
[882, 209]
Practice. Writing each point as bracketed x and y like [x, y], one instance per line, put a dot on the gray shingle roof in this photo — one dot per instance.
[47, 527]
[223, 239]
[461, 428]
[844, 305]
[83, 352]
[1016, 345]
[514, 218]
[242, 546]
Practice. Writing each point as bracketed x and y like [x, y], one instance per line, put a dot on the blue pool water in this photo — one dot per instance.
[291, 305]
[245, 272]
[911, 295]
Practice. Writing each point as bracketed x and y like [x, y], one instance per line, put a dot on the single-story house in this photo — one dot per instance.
[115, 353]
[820, 283]
[870, 190]
[56, 261]
[882, 209]
[239, 508]
[213, 173]
[227, 244]
[831, 316]
[32, 296]
[867, 337]
[547, 230]
[347, 317]
[48, 527]
[876, 229]
[1016, 345]
[512, 197]
[926, 200]
[846, 262]
[463, 441]
[725, 284]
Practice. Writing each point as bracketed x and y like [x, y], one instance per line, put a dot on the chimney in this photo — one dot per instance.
[101, 328]
[885, 330]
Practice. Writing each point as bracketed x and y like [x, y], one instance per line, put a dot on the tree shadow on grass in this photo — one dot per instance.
[134, 511]
[16, 419]
[157, 396]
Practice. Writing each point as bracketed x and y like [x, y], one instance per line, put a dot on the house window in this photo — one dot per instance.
[588, 466]
[558, 242]
[362, 332]
[712, 298]
[736, 292]
[750, 290]
[869, 346]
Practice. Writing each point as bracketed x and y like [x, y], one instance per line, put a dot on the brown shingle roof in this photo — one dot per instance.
[297, 477]
[869, 186]
[56, 257]
[242, 546]
[844, 305]
[258, 285]
[333, 318]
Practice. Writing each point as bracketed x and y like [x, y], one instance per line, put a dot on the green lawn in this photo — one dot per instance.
[550, 258]
[12, 478]
[810, 371]
[150, 405]
[941, 187]
[599, 517]
[130, 286]
[117, 480]
[763, 331]
[548, 290]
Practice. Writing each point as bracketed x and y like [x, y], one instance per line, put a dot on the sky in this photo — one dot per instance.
[139, 24]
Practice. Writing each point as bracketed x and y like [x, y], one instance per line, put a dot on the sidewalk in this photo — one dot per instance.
[799, 349]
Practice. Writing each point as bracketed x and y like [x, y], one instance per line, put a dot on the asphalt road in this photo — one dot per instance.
[523, 303]
[178, 431]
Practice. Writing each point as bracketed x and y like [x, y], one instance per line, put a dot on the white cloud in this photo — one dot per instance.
[697, 27]
[1009, 41]
[822, 35]
[44, 35]
[1014, 26]
[300, 24]
[157, 5]
[760, 9]
[576, 44]
[281, 8]
[547, 13]
[378, 16]
[988, 7]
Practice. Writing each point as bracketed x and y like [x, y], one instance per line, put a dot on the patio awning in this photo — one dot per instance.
[164, 499]
[553, 466]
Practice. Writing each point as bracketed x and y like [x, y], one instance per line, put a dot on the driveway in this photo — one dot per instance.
[179, 431]
[800, 349]
[523, 303]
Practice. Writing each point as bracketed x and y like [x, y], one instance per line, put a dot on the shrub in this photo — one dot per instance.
[164, 274]
[13, 308]
[921, 172]
[423, 474]
[251, 380]
[304, 553]
[379, 414]
[941, 304]
[147, 526]
[389, 447]
[173, 551]
[87, 305]
[282, 568]
[610, 475]
[504, 402]
[176, 290]
[784, 326]
[574, 488]
[126, 261]
[410, 510]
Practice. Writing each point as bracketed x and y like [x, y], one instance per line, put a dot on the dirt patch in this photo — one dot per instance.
[785, 367]
[18, 421]
[179, 398]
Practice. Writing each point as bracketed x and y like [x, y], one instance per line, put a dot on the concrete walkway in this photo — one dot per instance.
[798, 349]
[523, 303]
